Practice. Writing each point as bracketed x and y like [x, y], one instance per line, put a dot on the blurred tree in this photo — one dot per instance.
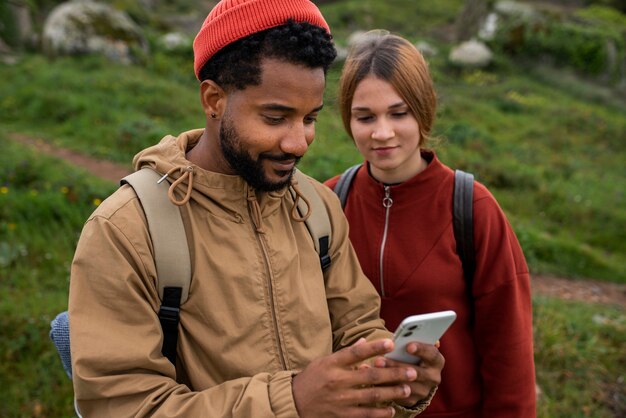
[471, 18]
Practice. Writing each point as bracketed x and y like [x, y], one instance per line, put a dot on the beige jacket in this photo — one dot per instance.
[260, 308]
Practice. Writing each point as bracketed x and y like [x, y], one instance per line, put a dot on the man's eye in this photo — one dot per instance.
[273, 120]
[310, 119]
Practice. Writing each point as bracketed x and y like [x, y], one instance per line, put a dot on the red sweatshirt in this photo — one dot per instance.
[409, 254]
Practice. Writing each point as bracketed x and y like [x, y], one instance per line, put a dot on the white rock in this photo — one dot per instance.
[86, 27]
[472, 54]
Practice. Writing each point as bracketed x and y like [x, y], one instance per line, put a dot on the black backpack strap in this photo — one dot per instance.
[463, 223]
[345, 181]
[169, 316]
[171, 251]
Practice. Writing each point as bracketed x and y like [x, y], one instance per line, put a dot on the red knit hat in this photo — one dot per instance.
[231, 20]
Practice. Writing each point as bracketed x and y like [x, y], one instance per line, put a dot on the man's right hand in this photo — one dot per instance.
[335, 385]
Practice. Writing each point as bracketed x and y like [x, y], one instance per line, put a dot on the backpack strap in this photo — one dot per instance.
[171, 251]
[345, 181]
[318, 223]
[463, 223]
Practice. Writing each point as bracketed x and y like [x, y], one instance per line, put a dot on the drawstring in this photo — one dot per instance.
[299, 202]
[255, 210]
[187, 172]
[295, 213]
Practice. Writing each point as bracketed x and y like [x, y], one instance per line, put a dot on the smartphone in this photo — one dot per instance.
[424, 328]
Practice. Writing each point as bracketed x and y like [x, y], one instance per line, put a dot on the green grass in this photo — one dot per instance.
[548, 144]
[43, 204]
[579, 356]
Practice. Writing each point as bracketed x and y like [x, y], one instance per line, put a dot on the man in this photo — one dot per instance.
[265, 332]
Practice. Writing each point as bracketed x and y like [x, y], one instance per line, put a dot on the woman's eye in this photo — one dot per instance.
[364, 118]
[400, 114]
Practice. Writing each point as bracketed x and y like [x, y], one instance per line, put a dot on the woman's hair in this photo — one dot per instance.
[395, 60]
[238, 65]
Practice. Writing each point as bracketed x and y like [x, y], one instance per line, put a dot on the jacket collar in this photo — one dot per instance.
[229, 192]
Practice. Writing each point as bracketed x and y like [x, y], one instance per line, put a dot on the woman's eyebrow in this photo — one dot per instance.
[365, 108]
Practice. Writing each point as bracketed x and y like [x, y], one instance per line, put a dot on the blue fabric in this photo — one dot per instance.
[60, 336]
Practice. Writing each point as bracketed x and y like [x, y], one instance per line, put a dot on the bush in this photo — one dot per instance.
[8, 28]
[591, 41]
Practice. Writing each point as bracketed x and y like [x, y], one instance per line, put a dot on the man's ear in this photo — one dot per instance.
[213, 99]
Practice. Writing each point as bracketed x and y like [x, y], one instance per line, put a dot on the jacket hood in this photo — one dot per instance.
[191, 182]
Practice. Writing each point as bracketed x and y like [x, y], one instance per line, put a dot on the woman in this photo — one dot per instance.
[400, 213]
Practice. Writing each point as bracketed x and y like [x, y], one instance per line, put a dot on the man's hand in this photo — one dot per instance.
[335, 385]
[428, 371]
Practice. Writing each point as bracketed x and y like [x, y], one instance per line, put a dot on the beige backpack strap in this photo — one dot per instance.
[171, 250]
[318, 223]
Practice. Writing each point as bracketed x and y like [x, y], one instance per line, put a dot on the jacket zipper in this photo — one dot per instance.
[387, 202]
[270, 279]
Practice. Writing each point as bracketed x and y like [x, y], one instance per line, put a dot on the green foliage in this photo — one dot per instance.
[43, 205]
[8, 28]
[548, 144]
[603, 15]
[579, 359]
[113, 111]
[402, 16]
[583, 41]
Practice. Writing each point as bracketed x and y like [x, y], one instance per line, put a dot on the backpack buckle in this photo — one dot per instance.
[169, 316]
[325, 261]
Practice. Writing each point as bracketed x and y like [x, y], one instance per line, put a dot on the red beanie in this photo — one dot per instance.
[231, 20]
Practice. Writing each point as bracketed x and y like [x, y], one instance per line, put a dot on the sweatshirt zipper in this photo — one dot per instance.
[387, 202]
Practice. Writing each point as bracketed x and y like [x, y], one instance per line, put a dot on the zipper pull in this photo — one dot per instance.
[387, 200]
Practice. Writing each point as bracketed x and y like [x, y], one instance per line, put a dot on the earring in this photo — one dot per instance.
[213, 115]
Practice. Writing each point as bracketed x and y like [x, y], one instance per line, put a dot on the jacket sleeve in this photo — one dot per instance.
[502, 315]
[353, 302]
[119, 370]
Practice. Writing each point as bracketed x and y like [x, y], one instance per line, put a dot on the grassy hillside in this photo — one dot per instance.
[548, 143]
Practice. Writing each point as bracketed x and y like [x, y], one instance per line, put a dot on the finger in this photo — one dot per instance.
[429, 354]
[385, 376]
[373, 395]
[383, 362]
[438, 344]
[419, 392]
[361, 351]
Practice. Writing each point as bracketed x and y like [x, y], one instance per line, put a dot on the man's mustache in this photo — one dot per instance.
[280, 157]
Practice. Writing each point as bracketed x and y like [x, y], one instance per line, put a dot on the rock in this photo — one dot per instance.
[426, 49]
[86, 27]
[175, 41]
[471, 54]
[488, 30]
[515, 9]
[342, 53]
[356, 37]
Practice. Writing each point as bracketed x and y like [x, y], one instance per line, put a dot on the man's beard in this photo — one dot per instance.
[244, 165]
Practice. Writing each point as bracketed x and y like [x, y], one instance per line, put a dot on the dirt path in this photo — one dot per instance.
[585, 290]
[104, 169]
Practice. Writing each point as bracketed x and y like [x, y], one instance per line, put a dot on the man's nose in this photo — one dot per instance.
[298, 140]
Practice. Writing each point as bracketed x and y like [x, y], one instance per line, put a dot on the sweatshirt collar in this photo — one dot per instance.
[407, 191]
